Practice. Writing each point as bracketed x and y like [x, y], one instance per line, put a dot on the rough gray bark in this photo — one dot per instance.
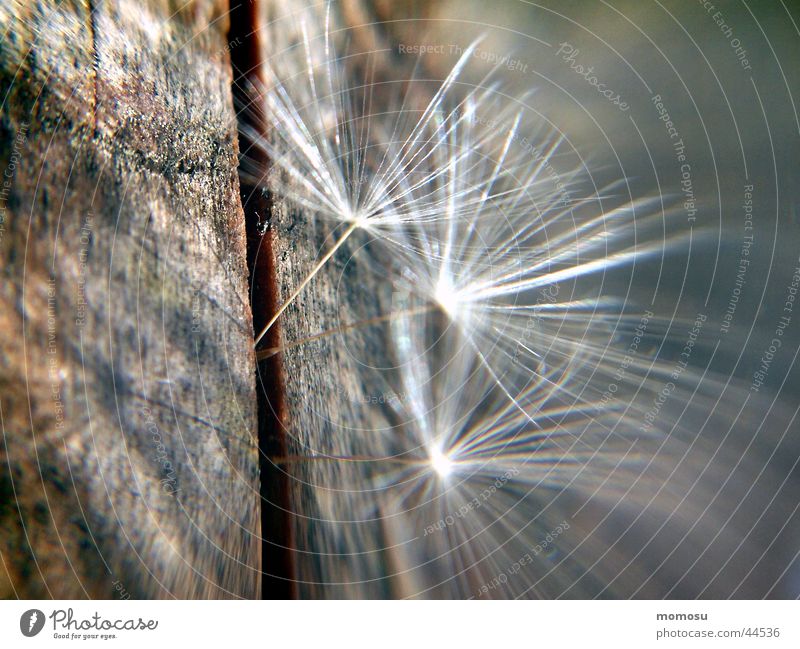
[129, 461]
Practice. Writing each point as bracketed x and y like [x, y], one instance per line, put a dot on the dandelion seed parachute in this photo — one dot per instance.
[490, 469]
[339, 161]
[516, 264]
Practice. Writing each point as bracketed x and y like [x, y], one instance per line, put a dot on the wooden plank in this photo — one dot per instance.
[129, 463]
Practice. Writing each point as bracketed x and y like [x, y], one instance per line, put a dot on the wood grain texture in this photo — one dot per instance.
[129, 463]
[343, 524]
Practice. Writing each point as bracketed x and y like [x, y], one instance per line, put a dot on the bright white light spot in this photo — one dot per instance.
[349, 215]
[447, 297]
[442, 464]
[358, 218]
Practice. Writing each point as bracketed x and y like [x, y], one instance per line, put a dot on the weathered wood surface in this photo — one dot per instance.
[129, 462]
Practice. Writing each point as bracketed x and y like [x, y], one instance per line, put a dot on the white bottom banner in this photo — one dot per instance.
[400, 624]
